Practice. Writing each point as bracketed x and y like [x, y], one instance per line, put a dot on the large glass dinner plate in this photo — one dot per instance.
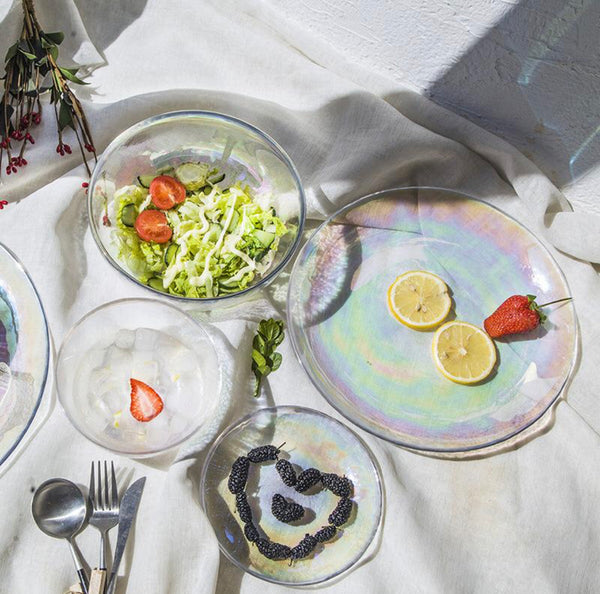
[380, 374]
[24, 353]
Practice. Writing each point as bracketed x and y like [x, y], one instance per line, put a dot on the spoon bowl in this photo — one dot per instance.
[60, 510]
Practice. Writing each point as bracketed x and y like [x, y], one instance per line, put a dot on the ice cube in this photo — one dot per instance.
[113, 399]
[146, 369]
[117, 360]
[125, 339]
[145, 339]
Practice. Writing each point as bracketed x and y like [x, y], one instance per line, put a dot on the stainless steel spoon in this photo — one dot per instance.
[60, 510]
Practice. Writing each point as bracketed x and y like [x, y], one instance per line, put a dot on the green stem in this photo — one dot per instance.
[556, 301]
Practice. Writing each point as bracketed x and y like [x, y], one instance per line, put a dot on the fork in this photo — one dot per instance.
[105, 515]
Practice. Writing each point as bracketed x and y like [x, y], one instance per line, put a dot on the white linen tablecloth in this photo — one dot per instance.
[520, 518]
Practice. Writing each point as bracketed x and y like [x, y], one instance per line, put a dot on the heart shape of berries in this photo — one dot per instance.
[287, 511]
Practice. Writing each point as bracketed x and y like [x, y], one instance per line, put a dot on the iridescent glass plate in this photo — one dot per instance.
[380, 374]
[24, 353]
[310, 440]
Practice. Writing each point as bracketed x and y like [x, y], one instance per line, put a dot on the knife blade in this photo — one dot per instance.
[127, 512]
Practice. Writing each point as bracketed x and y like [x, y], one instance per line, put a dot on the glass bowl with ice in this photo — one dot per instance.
[138, 376]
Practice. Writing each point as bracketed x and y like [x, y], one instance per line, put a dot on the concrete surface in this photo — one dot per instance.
[528, 71]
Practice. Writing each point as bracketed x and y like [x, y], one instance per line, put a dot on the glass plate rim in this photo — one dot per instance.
[304, 409]
[46, 332]
[403, 443]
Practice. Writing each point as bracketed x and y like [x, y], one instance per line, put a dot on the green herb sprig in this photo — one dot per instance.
[265, 359]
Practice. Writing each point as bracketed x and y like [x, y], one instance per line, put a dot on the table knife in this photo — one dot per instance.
[127, 512]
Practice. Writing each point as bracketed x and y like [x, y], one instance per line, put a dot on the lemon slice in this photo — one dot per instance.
[419, 299]
[463, 353]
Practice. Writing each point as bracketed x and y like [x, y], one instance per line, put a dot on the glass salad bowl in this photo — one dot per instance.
[197, 206]
[139, 376]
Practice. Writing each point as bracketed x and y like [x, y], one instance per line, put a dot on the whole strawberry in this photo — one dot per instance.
[519, 313]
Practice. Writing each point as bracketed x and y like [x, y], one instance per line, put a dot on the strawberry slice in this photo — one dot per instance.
[145, 402]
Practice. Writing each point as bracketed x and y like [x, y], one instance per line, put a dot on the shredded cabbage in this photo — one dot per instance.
[222, 238]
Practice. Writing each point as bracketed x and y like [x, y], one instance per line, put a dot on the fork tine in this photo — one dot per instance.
[99, 477]
[115, 493]
[106, 498]
[92, 495]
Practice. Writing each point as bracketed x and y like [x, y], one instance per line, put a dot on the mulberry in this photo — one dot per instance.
[251, 532]
[338, 485]
[341, 513]
[243, 507]
[273, 550]
[307, 478]
[326, 533]
[304, 548]
[286, 472]
[238, 475]
[286, 511]
[263, 453]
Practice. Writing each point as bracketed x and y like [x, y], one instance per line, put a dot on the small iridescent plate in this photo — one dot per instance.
[24, 353]
[311, 440]
[380, 374]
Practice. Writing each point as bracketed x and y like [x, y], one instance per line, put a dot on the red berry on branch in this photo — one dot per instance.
[85, 185]
[67, 149]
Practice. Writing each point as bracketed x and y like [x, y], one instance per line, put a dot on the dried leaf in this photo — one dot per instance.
[12, 52]
[69, 73]
[56, 37]
[65, 116]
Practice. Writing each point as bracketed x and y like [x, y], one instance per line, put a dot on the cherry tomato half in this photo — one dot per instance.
[166, 192]
[152, 225]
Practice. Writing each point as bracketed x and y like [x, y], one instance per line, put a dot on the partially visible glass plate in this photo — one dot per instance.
[24, 352]
[380, 374]
[312, 439]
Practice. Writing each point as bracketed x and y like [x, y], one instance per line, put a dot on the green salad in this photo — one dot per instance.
[181, 232]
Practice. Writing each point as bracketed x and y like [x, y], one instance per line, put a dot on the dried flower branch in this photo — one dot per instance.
[31, 69]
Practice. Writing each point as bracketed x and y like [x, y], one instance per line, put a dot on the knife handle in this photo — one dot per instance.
[83, 581]
[97, 581]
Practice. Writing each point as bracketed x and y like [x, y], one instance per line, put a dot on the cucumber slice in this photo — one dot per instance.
[170, 253]
[213, 232]
[216, 178]
[145, 180]
[128, 215]
[264, 237]
[156, 283]
[192, 175]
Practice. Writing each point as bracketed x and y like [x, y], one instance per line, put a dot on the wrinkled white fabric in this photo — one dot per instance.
[521, 518]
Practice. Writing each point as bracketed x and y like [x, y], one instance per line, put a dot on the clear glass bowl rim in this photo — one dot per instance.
[84, 318]
[134, 129]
